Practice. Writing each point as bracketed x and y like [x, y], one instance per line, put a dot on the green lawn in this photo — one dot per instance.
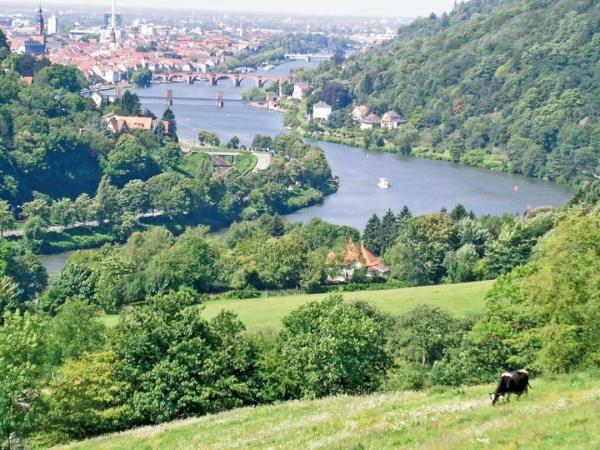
[189, 162]
[245, 162]
[459, 299]
[559, 413]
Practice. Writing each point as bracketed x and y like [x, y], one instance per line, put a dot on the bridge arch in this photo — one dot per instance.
[225, 76]
[266, 82]
[254, 80]
[178, 77]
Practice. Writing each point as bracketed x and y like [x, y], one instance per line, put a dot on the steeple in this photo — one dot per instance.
[113, 24]
[40, 28]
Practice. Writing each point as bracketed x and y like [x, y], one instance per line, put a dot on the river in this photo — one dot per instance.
[421, 184]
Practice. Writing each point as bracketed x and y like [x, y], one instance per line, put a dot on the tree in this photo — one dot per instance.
[142, 78]
[74, 331]
[58, 76]
[3, 41]
[335, 94]
[130, 104]
[207, 138]
[404, 213]
[135, 197]
[181, 364]
[84, 208]
[39, 207]
[107, 202]
[264, 143]
[169, 117]
[28, 272]
[169, 156]
[424, 333]
[458, 213]
[418, 255]
[460, 264]
[87, 397]
[128, 161]
[234, 142]
[23, 364]
[34, 231]
[389, 230]
[334, 347]
[372, 234]
[9, 296]
[62, 212]
[515, 243]
[190, 262]
[7, 218]
[76, 280]
[169, 193]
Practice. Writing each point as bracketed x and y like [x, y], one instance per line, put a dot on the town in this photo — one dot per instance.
[109, 46]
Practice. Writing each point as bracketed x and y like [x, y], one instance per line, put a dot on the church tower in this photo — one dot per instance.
[113, 23]
[40, 28]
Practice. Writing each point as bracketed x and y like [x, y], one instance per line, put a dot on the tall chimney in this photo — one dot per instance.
[114, 15]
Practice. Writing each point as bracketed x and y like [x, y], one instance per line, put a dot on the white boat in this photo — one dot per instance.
[384, 183]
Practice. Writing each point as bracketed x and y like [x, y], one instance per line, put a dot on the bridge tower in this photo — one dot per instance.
[220, 99]
[169, 97]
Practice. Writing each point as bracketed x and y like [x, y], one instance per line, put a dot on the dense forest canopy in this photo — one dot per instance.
[501, 84]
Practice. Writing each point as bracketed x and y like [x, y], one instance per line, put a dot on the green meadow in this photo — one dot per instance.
[559, 413]
[267, 312]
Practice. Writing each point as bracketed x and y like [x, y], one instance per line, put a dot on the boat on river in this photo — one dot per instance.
[383, 183]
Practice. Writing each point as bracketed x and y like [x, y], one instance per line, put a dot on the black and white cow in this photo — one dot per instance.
[515, 382]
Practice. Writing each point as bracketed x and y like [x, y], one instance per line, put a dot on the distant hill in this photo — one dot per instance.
[503, 84]
[560, 412]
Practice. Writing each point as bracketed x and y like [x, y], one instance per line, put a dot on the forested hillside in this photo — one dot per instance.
[502, 84]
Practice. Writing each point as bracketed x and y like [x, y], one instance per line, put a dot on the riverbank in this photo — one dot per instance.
[479, 159]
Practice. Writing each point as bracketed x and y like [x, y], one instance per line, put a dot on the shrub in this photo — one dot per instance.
[334, 347]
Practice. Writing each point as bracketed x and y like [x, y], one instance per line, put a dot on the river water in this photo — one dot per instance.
[421, 184]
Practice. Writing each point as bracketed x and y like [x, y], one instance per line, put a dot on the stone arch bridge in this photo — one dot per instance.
[214, 77]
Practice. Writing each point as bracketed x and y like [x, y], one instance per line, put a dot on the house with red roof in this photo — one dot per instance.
[343, 267]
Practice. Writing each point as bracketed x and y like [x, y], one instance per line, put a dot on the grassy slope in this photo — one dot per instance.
[245, 162]
[459, 299]
[563, 412]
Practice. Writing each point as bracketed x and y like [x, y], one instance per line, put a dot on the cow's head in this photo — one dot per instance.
[494, 396]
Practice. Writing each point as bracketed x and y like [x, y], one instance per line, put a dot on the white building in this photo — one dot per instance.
[321, 111]
[391, 120]
[370, 122]
[52, 25]
[300, 90]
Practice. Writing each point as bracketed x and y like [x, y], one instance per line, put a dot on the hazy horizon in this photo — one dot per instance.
[380, 8]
